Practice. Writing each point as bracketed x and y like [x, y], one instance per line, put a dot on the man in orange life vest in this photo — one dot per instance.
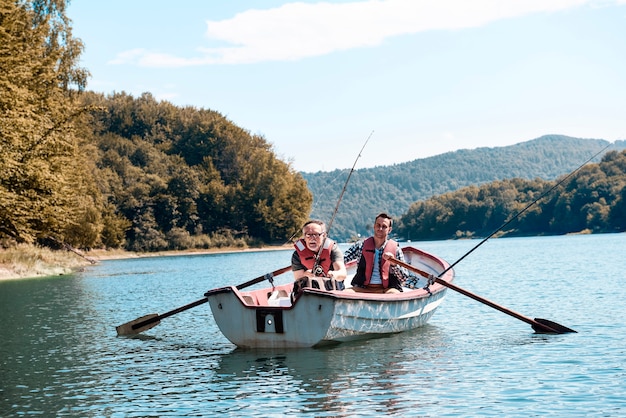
[374, 273]
[330, 263]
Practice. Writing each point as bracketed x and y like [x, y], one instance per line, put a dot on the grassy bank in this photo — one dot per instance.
[25, 260]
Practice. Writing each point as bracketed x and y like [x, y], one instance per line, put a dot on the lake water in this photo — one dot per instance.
[60, 356]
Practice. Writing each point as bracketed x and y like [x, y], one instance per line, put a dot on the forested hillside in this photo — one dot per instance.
[189, 178]
[592, 200]
[395, 188]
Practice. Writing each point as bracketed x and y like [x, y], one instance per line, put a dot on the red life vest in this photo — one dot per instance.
[307, 257]
[369, 249]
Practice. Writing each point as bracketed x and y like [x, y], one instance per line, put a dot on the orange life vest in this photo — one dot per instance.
[307, 257]
[369, 249]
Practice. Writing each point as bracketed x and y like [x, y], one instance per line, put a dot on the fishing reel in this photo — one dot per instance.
[319, 271]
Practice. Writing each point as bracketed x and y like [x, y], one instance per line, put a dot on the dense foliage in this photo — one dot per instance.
[176, 178]
[591, 200]
[395, 188]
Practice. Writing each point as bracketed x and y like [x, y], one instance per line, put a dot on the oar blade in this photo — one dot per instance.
[127, 328]
[551, 327]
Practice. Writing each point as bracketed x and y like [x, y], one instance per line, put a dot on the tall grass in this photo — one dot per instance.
[24, 260]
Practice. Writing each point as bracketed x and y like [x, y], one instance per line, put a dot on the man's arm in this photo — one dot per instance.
[339, 267]
[400, 272]
[354, 252]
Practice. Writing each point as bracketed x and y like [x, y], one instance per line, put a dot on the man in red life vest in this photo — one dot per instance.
[374, 273]
[308, 261]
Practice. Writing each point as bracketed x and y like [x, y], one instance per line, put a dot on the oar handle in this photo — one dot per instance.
[536, 325]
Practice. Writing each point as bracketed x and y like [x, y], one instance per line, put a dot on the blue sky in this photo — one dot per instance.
[316, 78]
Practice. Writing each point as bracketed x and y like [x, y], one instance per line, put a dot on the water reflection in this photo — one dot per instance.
[338, 380]
[43, 325]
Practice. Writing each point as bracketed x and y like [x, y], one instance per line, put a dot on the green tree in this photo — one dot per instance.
[591, 201]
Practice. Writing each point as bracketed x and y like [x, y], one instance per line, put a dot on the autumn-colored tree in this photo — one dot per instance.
[45, 185]
[177, 178]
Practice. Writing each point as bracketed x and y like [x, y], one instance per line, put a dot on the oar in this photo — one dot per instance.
[151, 320]
[538, 324]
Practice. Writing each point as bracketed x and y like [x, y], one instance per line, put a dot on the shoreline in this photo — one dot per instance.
[32, 262]
[102, 255]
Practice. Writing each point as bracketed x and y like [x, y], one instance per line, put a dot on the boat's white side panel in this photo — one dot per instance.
[303, 325]
[355, 319]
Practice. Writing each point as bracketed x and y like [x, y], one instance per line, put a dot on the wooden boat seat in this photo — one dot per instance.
[315, 283]
[323, 284]
[276, 298]
[248, 300]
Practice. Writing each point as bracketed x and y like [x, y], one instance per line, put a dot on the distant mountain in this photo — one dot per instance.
[394, 188]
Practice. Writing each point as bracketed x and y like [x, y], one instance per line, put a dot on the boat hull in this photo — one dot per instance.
[267, 318]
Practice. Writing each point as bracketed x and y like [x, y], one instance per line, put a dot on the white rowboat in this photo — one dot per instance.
[267, 318]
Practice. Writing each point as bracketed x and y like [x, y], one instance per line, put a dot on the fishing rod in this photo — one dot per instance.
[345, 186]
[343, 191]
[517, 215]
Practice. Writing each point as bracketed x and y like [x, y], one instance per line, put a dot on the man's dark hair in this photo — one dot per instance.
[384, 216]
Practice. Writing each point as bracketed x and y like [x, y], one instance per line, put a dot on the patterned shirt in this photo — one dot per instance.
[356, 250]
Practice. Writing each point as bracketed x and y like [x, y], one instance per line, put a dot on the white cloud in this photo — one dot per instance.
[126, 56]
[298, 30]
